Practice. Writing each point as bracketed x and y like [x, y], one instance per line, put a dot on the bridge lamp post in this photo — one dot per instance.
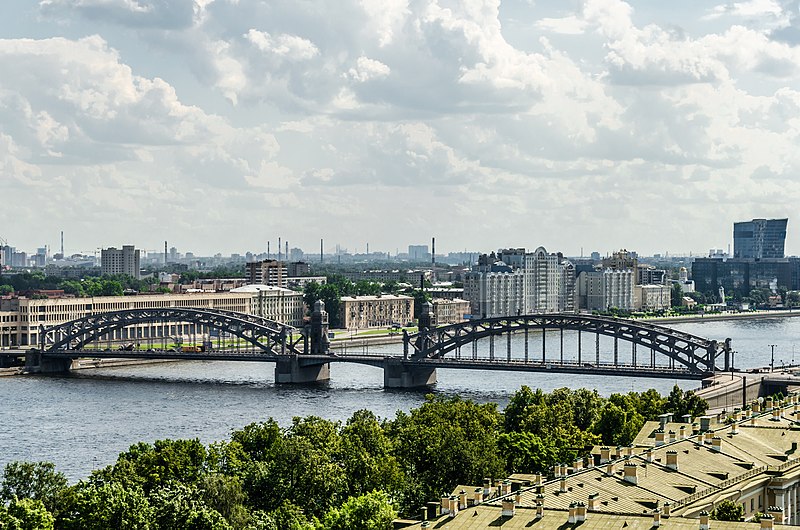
[772, 360]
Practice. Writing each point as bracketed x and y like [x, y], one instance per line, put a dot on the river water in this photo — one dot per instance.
[82, 421]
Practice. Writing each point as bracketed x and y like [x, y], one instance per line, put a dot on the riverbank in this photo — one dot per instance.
[719, 317]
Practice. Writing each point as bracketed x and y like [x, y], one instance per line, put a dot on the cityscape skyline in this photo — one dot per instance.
[598, 124]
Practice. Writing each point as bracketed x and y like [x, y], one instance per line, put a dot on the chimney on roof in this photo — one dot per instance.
[656, 518]
[453, 505]
[682, 432]
[539, 506]
[672, 460]
[477, 496]
[594, 498]
[648, 456]
[672, 436]
[705, 423]
[580, 512]
[766, 522]
[445, 504]
[562, 485]
[704, 520]
[630, 472]
[768, 403]
[659, 437]
[735, 427]
[462, 499]
[605, 455]
[508, 508]
[716, 444]
[709, 436]
[667, 509]
[573, 508]
[610, 469]
[578, 465]
[776, 414]
[777, 514]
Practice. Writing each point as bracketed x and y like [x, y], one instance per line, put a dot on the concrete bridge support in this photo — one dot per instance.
[397, 374]
[292, 370]
[35, 363]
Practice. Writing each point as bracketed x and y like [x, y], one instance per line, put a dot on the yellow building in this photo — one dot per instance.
[21, 318]
[363, 312]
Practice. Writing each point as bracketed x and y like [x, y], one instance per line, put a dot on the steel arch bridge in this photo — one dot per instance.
[697, 354]
[266, 335]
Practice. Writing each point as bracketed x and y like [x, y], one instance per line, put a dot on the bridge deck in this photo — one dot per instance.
[554, 367]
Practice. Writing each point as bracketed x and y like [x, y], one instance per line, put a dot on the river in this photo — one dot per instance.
[82, 421]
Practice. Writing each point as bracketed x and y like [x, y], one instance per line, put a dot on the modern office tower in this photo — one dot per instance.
[759, 238]
[116, 261]
[268, 272]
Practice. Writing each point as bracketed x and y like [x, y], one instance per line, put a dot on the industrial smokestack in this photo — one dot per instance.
[286, 254]
[268, 255]
[62, 243]
[433, 259]
[165, 253]
[279, 248]
[320, 250]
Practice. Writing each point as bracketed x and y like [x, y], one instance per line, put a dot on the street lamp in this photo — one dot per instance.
[772, 361]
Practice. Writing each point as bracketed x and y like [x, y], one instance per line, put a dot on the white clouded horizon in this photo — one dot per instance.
[221, 124]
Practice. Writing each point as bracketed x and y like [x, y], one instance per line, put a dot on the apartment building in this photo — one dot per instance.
[267, 272]
[449, 310]
[364, 312]
[120, 261]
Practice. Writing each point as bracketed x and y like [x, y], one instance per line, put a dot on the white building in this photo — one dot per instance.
[602, 290]
[497, 292]
[542, 282]
[275, 303]
[653, 297]
[116, 261]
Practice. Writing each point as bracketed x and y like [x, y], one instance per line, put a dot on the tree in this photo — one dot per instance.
[178, 506]
[372, 511]
[6, 289]
[680, 403]
[33, 480]
[25, 514]
[727, 510]
[676, 295]
[445, 442]
[91, 506]
[289, 516]
[367, 456]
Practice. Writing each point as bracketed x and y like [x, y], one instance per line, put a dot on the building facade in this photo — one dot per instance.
[738, 276]
[364, 312]
[120, 261]
[651, 298]
[759, 238]
[603, 290]
[449, 311]
[267, 272]
[21, 318]
[494, 289]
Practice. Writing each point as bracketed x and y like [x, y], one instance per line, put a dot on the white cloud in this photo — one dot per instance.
[367, 69]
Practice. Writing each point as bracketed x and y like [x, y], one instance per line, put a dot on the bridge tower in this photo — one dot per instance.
[295, 369]
[405, 373]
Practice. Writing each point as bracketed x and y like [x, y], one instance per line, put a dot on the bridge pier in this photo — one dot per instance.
[397, 374]
[291, 370]
[37, 364]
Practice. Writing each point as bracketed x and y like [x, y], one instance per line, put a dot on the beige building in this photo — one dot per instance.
[654, 297]
[672, 477]
[447, 311]
[362, 312]
[120, 261]
[266, 272]
[20, 318]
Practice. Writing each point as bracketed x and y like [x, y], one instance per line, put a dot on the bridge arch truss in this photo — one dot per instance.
[261, 333]
[696, 354]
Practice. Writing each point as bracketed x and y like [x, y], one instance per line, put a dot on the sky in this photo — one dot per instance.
[221, 124]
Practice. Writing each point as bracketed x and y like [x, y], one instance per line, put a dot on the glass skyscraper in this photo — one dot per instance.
[759, 238]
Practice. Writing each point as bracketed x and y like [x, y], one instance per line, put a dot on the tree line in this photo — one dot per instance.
[318, 474]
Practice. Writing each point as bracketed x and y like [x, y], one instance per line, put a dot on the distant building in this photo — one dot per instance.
[759, 238]
[120, 261]
[419, 253]
[603, 290]
[364, 312]
[647, 275]
[449, 293]
[298, 268]
[621, 260]
[494, 289]
[275, 303]
[449, 311]
[740, 275]
[267, 272]
[687, 285]
[413, 277]
[648, 298]
[300, 282]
